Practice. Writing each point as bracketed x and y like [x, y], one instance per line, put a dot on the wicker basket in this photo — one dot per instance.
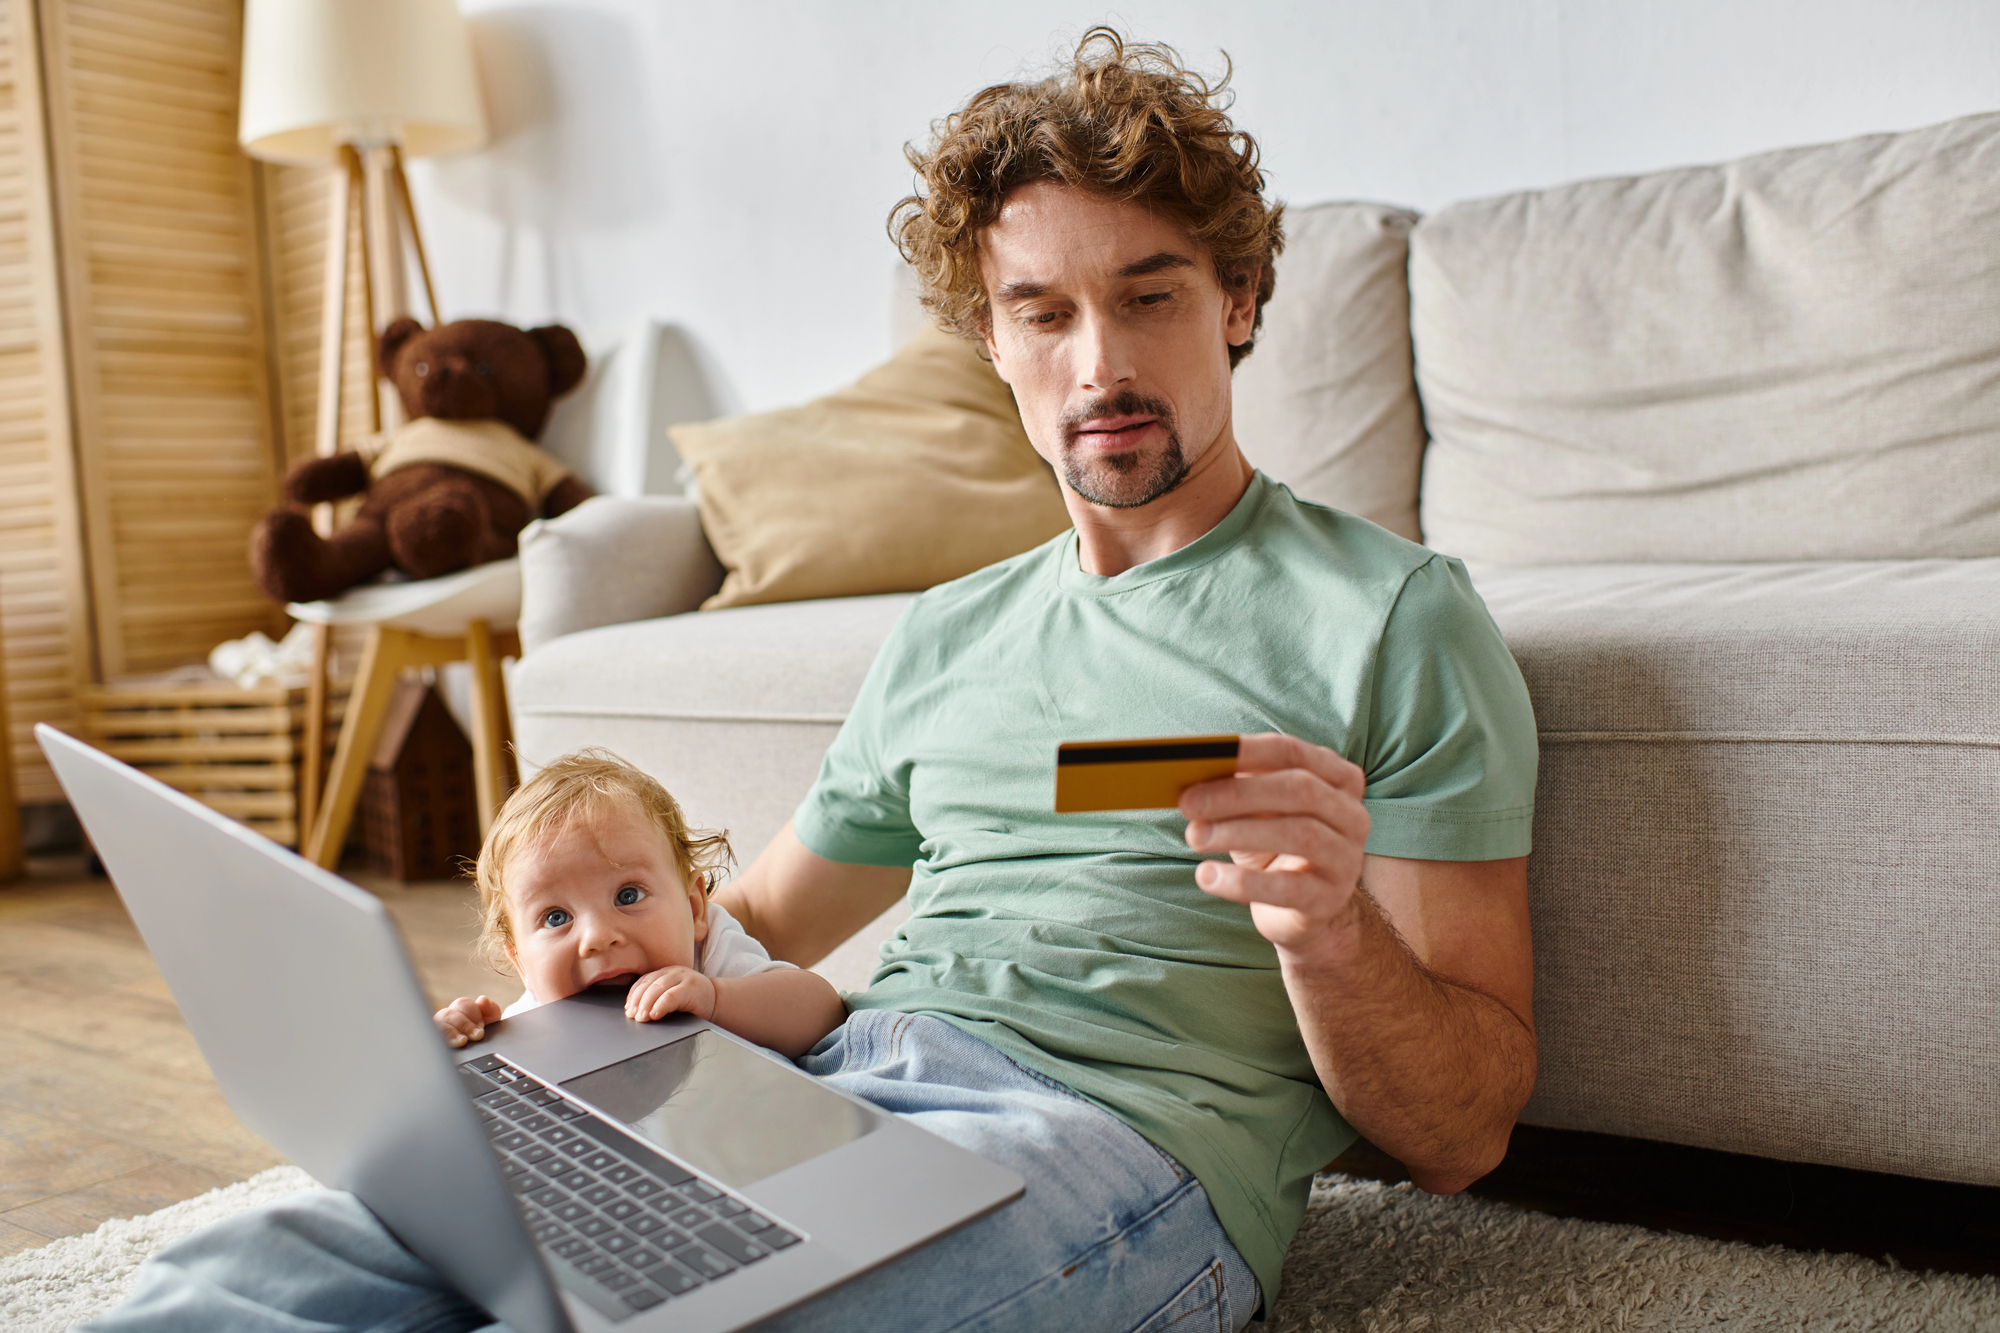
[235, 750]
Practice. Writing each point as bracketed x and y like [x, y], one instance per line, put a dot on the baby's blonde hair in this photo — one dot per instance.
[581, 786]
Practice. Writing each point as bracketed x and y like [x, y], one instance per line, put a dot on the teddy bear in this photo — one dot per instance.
[454, 485]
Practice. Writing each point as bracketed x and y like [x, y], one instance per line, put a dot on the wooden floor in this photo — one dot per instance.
[106, 1106]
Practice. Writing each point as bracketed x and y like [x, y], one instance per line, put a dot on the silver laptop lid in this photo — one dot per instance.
[296, 987]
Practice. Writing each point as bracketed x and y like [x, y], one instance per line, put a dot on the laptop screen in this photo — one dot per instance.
[722, 1108]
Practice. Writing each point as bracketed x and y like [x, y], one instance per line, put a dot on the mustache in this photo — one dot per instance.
[1125, 403]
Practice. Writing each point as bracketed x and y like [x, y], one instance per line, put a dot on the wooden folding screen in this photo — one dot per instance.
[157, 221]
[44, 599]
[140, 418]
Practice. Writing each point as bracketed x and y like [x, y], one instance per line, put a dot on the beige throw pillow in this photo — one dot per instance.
[917, 474]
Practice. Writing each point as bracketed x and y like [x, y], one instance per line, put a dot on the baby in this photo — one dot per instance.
[591, 877]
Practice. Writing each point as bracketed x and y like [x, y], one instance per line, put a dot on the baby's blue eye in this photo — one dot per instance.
[555, 918]
[630, 894]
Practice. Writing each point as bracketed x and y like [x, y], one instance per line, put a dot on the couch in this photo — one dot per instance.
[1721, 447]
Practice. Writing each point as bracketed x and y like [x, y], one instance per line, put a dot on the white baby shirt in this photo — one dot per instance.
[729, 951]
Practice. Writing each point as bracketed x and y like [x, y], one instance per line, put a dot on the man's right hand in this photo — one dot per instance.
[465, 1019]
[1293, 823]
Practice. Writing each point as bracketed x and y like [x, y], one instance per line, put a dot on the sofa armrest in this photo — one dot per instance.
[610, 560]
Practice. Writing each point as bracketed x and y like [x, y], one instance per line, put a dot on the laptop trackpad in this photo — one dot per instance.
[722, 1108]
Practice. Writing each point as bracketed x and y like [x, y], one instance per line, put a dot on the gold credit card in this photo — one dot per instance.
[1138, 775]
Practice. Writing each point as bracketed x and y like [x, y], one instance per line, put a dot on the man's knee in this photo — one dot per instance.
[317, 1259]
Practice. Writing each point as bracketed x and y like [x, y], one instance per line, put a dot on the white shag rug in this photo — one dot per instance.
[1391, 1259]
[1371, 1258]
[68, 1280]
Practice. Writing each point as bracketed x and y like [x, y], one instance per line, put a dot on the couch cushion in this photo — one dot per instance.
[1762, 887]
[1326, 402]
[1791, 357]
[1841, 650]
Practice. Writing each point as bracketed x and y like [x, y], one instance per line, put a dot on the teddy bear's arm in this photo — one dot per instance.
[567, 495]
[318, 480]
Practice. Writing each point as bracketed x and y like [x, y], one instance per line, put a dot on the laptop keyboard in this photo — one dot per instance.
[623, 1227]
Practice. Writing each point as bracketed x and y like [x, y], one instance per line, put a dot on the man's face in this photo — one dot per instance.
[1110, 325]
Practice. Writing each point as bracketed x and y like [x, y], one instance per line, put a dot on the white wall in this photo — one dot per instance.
[728, 166]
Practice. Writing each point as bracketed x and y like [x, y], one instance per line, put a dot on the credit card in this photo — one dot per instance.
[1138, 775]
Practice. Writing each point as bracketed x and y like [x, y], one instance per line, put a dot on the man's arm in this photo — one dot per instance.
[800, 905]
[1433, 1056]
[1412, 980]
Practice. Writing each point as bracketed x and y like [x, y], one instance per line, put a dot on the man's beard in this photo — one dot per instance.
[1123, 480]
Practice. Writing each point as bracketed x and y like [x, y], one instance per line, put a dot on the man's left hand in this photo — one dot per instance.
[1293, 824]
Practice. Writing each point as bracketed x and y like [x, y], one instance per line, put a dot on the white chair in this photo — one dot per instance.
[612, 430]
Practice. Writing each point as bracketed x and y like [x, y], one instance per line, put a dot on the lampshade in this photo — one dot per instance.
[320, 73]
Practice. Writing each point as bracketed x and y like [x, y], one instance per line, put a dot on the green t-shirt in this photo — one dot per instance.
[1079, 945]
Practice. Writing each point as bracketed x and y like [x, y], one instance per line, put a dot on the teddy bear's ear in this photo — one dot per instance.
[401, 329]
[565, 357]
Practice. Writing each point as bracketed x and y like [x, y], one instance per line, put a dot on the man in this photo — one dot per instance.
[1365, 944]
[1164, 1020]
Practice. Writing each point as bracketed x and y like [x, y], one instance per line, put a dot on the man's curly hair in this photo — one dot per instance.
[1124, 121]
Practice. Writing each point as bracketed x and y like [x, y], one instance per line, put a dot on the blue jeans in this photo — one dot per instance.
[1112, 1233]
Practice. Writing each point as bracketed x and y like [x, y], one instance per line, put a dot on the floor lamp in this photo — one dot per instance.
[360, 84]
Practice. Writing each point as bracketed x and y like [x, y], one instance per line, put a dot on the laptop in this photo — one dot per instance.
[575, 1170]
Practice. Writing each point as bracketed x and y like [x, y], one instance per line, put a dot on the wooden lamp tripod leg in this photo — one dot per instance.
[348, 188]
[402, 186]
[333, 318]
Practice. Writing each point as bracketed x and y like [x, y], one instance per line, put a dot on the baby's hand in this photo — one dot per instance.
[465, 1019]
[671, 990]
